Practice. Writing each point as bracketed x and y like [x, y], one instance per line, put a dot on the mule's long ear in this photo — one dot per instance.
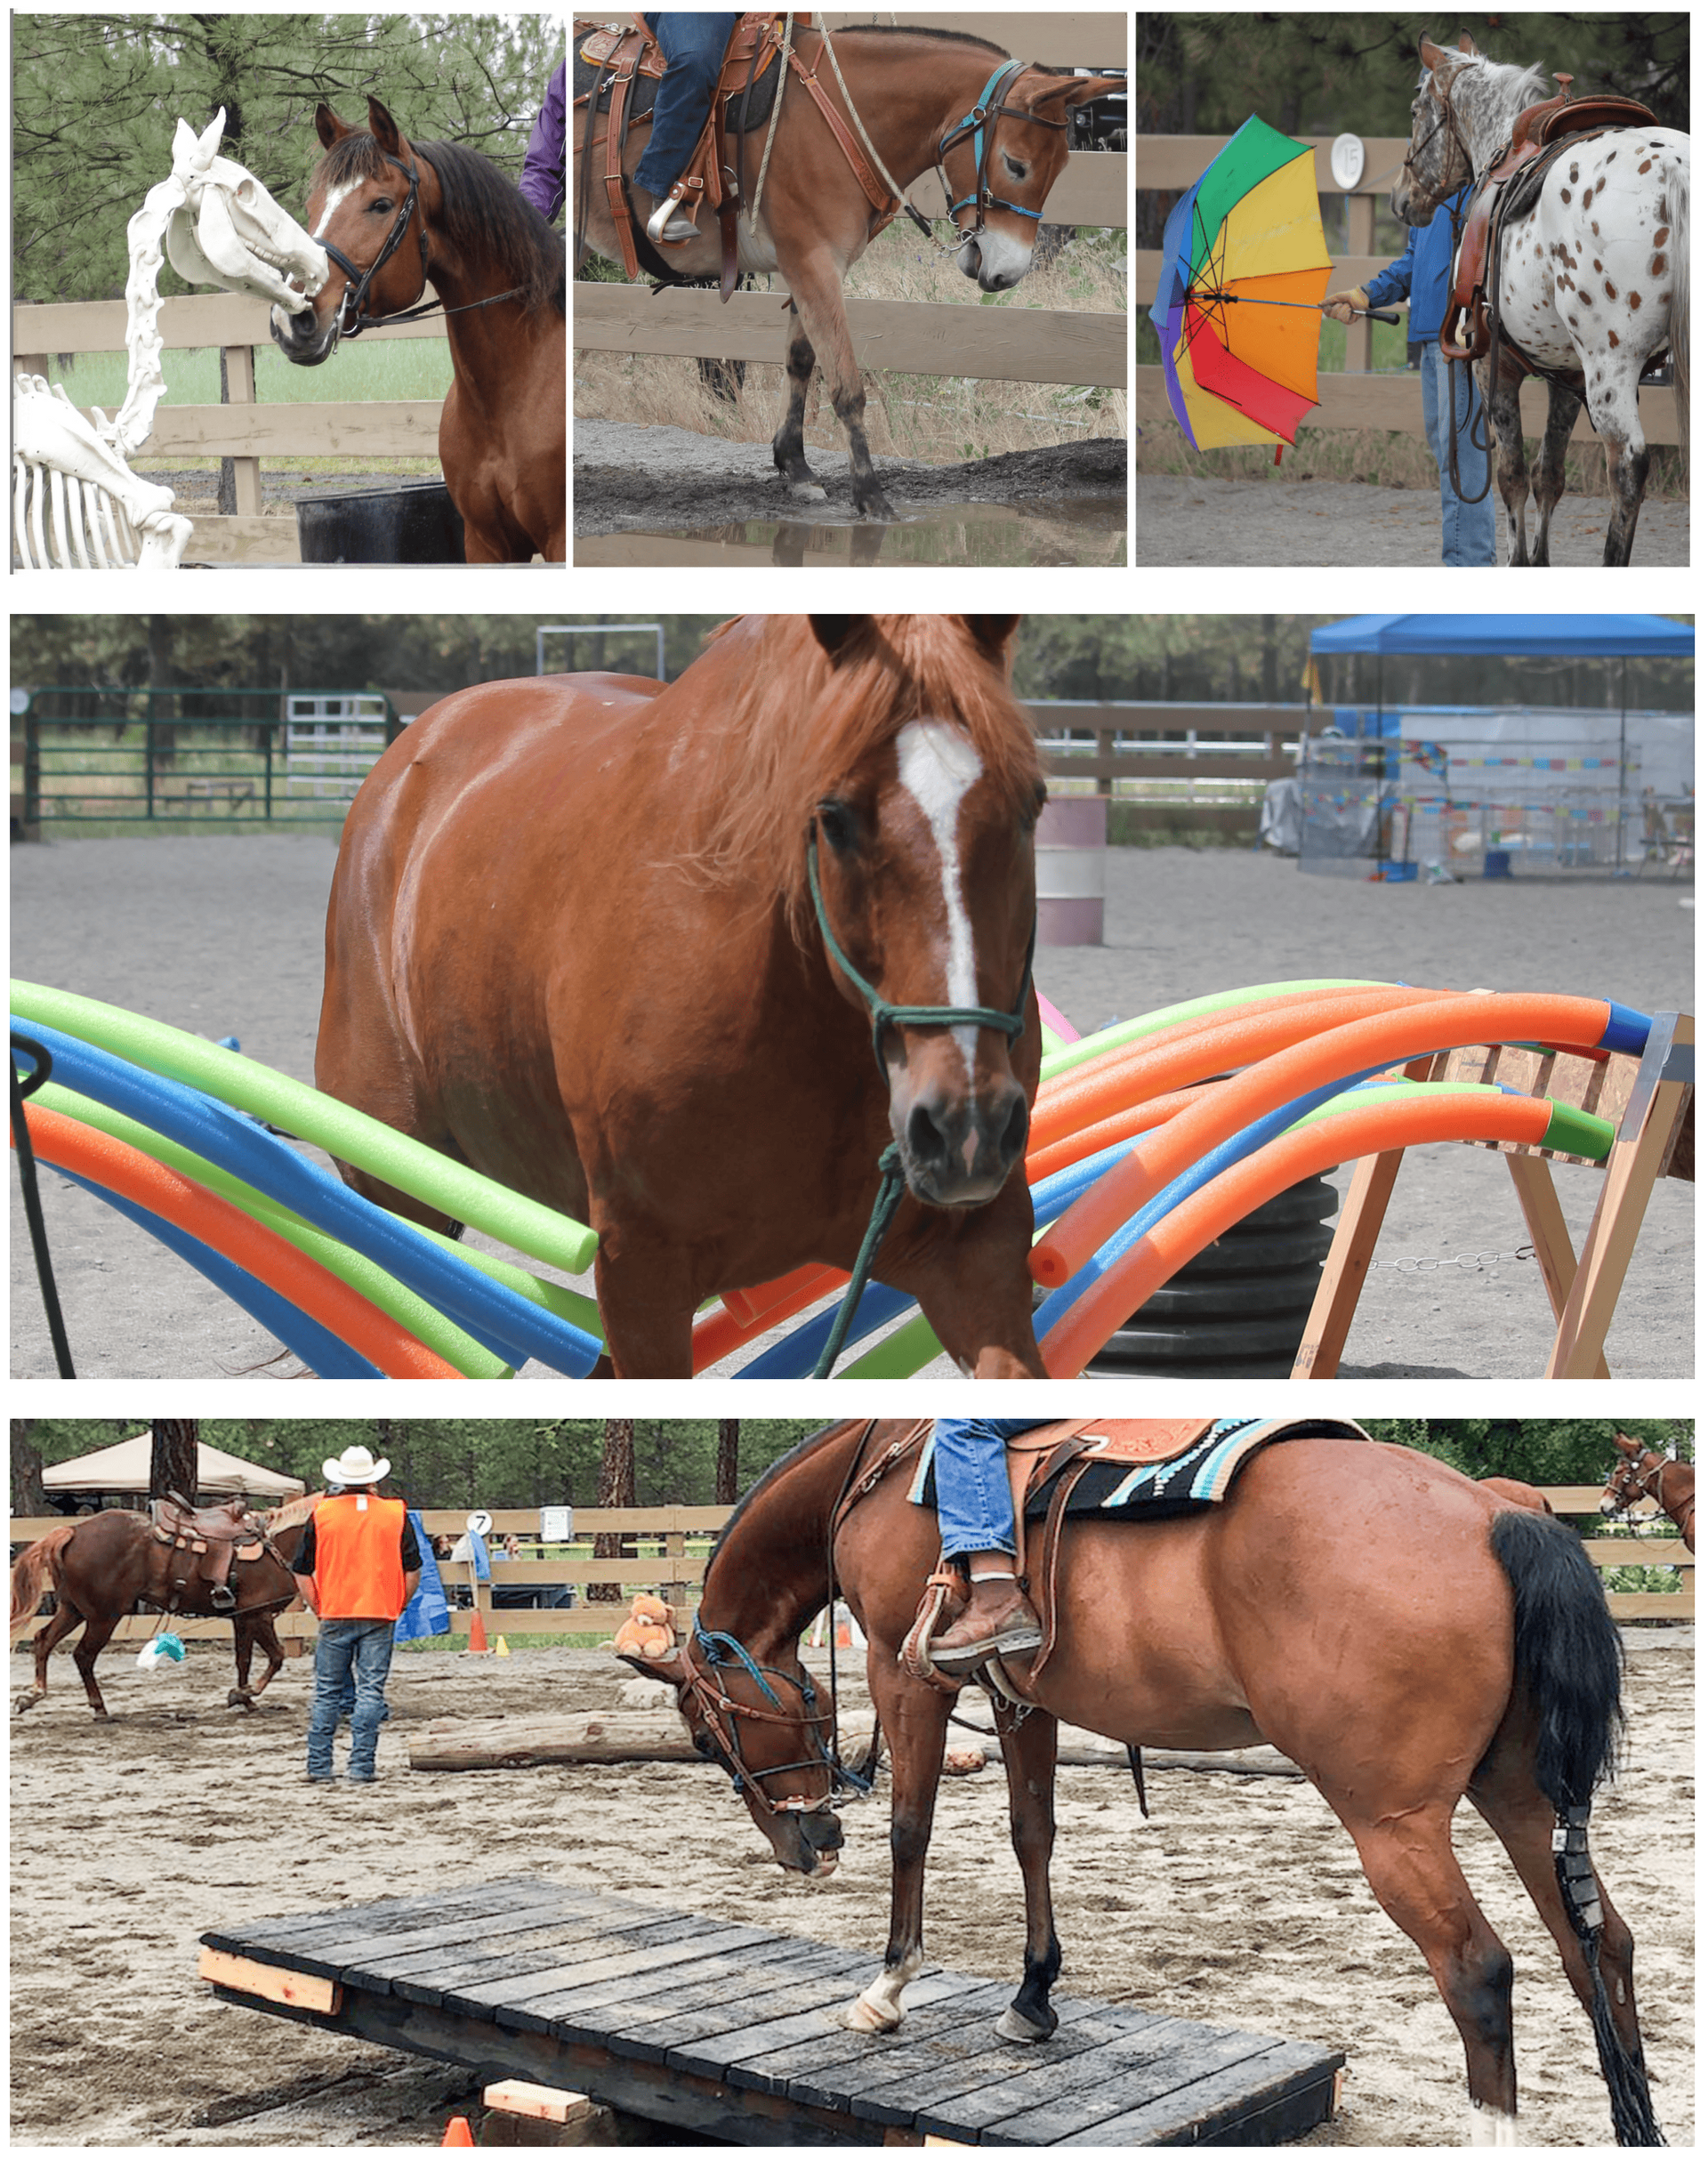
[329, 128]
[992, 633]
[382, 127]
[1081, 89]
[835, 633]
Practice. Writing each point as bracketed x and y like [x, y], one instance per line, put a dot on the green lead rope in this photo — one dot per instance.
[892, 1182]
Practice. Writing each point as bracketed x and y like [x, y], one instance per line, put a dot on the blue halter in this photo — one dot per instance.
[989, 106]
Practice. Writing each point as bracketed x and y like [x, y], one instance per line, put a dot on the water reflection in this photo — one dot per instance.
[1069, 530]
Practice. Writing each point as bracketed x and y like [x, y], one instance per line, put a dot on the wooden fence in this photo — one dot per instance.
[666, 1549]
[1353, 397]
[1218, 758]
[245, 430]
[1014, 344]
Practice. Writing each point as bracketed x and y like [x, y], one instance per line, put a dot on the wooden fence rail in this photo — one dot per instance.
[1353, 398]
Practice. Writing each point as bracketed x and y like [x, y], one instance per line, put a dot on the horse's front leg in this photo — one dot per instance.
[916, 1718]
[971, 1279]
[817, 287]
[1548, 479]
[1501, 403]
[1028, 1742]
[248, 1632]
[647, 1303]
[96, 1633]
[788, 445]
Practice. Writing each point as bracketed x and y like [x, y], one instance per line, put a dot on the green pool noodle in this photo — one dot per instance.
[352, 1135]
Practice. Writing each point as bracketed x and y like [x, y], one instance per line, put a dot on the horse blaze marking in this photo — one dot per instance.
[937, 765]
[271, 1984]
[334, 196]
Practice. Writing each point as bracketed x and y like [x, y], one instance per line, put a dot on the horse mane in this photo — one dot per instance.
[484, 212]
[1509, 79]
[914, 29]
[291, 1512]
[796, 725]
[768, 1477]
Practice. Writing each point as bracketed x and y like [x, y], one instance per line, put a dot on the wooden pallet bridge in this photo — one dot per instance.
[720, 2028]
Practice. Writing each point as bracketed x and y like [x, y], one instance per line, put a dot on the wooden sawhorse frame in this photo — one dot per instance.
[1651, 1101]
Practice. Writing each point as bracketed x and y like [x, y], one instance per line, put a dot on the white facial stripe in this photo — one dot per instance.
[331, 204]
[937, 765]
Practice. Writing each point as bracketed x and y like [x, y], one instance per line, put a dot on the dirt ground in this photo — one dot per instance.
[1189, 521]
[222, 936]
[627, 476]
[1239, 1902]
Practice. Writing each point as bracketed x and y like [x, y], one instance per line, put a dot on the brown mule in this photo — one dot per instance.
[912, 88]
[1424, 1643]
[573, 941]
[394, 215]
[102, 1567]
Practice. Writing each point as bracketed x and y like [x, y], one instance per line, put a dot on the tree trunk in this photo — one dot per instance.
[616, 1490]
[174, 1463]
[728, 1446]
[28, 1495]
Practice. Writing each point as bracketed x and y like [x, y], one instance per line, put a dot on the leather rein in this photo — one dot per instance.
[352, 318]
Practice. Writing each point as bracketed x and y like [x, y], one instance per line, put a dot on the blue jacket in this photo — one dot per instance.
[1424, 271]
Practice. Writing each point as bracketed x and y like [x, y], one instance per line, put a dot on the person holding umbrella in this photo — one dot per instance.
[1424, 271]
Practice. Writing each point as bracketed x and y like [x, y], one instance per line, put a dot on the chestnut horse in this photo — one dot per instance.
[102, 1567]
[1643, 1473]
[915, 92]
[392, 215]
[1418, 1642]
[574, 940]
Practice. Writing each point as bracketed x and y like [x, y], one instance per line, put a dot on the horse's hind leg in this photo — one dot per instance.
[1507, 1796]
[1408, 1859]
[97, 1633]
[1029, 1758]
[247, 1633]
[59, 1625]
[1627, 476]
[1547, 477]
[788, 445]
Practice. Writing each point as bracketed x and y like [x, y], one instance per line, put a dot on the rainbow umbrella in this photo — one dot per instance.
[1238, 305]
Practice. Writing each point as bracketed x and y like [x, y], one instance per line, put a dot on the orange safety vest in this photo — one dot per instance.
[358, 1557]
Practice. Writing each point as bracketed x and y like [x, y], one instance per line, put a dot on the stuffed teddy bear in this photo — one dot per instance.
[650, 1629]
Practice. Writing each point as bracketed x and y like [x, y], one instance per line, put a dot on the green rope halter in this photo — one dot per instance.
[892, 1182]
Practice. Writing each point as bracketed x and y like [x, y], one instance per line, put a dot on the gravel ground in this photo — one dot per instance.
[1183, 521]
[222, 935]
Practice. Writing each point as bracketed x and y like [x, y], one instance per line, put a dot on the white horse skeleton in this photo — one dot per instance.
[75, 502]
[1594, 281]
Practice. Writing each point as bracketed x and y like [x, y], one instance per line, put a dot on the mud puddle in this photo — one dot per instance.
[1074, 529]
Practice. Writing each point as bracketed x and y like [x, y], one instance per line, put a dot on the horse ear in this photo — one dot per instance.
[384, 128]
[993, 633]
[1081, 89]
[668, 1668]
[329, 128]
[1467, 45]
[1430, 55]
[834, 632]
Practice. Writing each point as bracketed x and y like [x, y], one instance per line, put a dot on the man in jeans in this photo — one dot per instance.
[357, 1568]
[975, 1515]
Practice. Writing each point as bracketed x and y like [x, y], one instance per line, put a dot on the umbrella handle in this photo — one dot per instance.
[1379, 315]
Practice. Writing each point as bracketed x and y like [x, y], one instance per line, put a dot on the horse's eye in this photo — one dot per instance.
[1016, 170]
[381, 205]
[836, 823]
[1029, 817]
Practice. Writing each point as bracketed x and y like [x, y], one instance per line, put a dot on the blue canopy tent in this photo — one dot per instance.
[1619, 636]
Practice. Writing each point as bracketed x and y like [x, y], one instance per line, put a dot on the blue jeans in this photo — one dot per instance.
[694, 46]
[347, 1652]
[975, 1510]
[1467, 529]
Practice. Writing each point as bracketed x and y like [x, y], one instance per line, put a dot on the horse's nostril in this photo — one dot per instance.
[1014, 1130]
[925, 1137]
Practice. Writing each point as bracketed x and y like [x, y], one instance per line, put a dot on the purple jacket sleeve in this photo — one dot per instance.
[542, 180]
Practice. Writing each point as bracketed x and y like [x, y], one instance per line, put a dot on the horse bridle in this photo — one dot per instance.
[350, 320]
[1448, 119]
[989, 106]
[721, 1728]
[1634, 1484]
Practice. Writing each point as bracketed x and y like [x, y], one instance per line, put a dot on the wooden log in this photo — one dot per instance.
[595, 1736]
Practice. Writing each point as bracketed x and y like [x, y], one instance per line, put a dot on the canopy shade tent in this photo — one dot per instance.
[123, 1468]
[1519, 634]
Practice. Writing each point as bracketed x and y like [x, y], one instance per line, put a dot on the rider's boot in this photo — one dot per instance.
[666, 226]
[998, 1622]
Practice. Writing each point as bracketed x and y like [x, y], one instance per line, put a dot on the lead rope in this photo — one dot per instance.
[784, 54]
[870, 147]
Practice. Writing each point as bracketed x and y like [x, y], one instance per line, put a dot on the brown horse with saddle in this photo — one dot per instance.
[1414, 1641]
[219, 1562]
[813, 141]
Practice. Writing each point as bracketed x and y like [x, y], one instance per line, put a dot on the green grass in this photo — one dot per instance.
[396, 368]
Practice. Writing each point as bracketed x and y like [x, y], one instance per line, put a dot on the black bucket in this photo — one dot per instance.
[415, 521]
[1236, 1311]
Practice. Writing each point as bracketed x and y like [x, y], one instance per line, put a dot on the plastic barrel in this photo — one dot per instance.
[1073, 853]
[1236, 1311]
[414, 521]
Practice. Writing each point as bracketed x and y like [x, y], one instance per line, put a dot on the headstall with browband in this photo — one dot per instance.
[987, 107]
[720, 1712]
[350, 321]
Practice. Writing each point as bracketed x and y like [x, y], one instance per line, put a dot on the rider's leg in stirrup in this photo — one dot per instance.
[694, 46]
[976, 1517]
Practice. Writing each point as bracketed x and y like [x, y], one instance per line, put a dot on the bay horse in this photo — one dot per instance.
[915, 92]
[630, 947]
[1592, 283]
[1419, 1642]
[1643, 1473]
[102, 1567]
[392, 215]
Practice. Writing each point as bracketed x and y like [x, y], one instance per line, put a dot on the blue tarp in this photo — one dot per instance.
[426, 1614]
[1519, 634]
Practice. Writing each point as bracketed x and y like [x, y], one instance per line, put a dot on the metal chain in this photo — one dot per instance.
[1413, 1266]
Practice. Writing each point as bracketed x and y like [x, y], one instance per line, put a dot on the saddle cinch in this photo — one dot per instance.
[205, 1542]
[1541, 135]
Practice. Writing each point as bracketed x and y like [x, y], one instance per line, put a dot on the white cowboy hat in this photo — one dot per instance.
[354, 1467]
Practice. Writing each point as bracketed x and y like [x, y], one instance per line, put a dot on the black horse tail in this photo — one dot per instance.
[1568, 1662]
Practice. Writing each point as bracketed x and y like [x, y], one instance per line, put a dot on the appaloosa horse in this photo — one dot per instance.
[630, 947]
[1644, 1473]
[1590, 283]
[102, 1567]
[1418, 1643]
[995, 129]
[392, 216]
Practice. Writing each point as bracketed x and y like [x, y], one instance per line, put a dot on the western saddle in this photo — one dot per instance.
[204, 1542]
[1507, 190]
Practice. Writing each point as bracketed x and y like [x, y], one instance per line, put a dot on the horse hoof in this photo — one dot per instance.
[239, 1699]
[807, 491]
[1015, 2025]
[859, 2018]
[24, 1702]
[878, 508]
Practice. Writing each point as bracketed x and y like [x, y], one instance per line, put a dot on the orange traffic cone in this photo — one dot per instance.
[458, 2132]
[477, 1635]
